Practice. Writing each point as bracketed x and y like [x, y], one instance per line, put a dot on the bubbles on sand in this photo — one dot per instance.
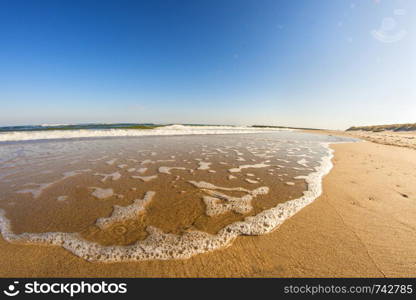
[62, 198]
[121, 213]
[37, 191]
[251, 180]
[203, 165]
[141, 170]
[218, 203]
[38, 188]
[261, 165]
[114, 176]
[101, 193]
[303, 162]
[166, 170]
[111, 162]
[145, 178]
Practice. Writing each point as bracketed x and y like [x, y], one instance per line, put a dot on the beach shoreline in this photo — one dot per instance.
[392, 138]
[361, 226]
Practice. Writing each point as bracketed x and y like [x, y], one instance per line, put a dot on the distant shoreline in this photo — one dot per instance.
[405, 139]
[380, 128]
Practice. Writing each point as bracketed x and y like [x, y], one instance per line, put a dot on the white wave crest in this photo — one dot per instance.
[165, 130]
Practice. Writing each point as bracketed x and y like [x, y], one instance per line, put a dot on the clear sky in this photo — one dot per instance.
[326, 63]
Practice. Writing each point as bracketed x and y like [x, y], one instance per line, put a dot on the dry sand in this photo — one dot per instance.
[364, 224]
[403, 139]
[387, 137]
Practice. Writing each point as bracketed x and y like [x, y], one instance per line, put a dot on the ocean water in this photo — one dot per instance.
[48, 132]
[90, 126]
[161, 196]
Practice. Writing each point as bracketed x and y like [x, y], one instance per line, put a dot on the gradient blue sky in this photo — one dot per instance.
[326, 64]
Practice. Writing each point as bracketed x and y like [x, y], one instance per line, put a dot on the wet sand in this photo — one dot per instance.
[113, 200]
[362, 225]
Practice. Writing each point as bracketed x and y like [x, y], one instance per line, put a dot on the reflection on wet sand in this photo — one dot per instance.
[156, 197]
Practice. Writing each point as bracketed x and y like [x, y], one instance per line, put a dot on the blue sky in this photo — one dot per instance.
[326, 64]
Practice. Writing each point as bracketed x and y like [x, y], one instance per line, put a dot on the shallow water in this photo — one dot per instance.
[117, 199]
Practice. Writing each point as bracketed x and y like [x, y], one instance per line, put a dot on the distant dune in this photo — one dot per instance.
[379, 128]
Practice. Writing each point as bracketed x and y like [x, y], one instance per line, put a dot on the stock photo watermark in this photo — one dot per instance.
[390, 30]
[72, 288]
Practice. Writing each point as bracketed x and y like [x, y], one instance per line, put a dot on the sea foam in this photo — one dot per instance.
[121, 213]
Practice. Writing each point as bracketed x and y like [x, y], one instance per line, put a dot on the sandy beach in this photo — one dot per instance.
[403, 139]
[362, 225]
[208, 139]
